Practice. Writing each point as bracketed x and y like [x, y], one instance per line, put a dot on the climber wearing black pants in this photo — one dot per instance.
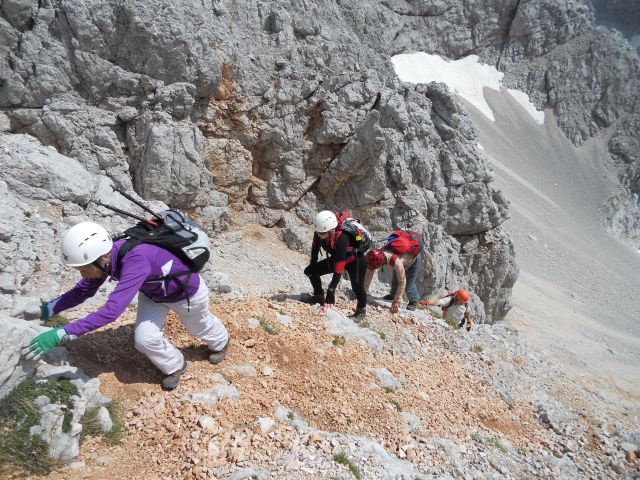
[340, 248]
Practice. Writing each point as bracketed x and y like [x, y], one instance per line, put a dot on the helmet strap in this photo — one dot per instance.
[102, 265]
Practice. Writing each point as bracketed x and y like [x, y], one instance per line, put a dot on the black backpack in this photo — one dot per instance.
[172, 230]
[354, 228]
[179, 234]
[176, 232]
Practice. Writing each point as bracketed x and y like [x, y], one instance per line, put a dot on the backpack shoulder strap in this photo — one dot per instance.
[125, 248]
[393, 259]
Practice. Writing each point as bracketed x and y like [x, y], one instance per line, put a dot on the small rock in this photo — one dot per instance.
[213, 449]
[617, 467]
[266, 371]
[103, 461]
[624, 446]
[41, 401]
[207, 423]
[265, 424]
[249, 343]
[253, 323]
[284, 319]
[245, 370]
[104, 419]
[218, 378]
[77, 465]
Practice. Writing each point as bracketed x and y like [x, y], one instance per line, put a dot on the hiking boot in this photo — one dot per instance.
[412, 305]
[313, 299]
[172, 380]
[388, 297]
[359, 315]
[217, 357]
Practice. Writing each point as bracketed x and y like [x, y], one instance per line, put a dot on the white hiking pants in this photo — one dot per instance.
[197, 319]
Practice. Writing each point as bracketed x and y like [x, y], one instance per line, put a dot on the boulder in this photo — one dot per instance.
[14, 335]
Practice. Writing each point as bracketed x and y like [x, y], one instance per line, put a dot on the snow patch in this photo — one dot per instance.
[467, 77]
[523, 99]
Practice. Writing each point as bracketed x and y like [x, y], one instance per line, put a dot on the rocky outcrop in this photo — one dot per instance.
[278, 110]
[623, 15]
[44, 192]
[261, 106]
[590, 77]
[63, 440]
[328, 125]
[15, 334]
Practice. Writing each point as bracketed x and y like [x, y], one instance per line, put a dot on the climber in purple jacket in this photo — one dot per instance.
[88, 248]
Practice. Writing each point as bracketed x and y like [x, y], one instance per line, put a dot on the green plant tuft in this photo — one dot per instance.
[339, 341]
[396, 404]
[268, 327]
[498, 444]
[18, 414]
[57, 321]
[91, 426]
[342, 459]
[389, 389]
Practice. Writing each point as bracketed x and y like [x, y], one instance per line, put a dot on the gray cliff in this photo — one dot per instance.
[270, 110]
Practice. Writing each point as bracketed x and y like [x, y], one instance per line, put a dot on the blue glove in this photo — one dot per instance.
[44, 312]
[44, 342]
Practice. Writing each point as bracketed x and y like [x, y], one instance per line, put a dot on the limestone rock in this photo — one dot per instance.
[284, 112]
[104, 420]
[217, 281]
[386, 379]
[14, 335]
[338, 324]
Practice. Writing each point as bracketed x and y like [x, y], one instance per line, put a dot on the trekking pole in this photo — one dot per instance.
[141, 205]
[142, 219]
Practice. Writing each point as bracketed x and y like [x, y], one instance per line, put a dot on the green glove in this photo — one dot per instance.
[44, 312]
[45, 342]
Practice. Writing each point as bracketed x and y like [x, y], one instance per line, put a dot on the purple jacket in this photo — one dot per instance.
[139, 264]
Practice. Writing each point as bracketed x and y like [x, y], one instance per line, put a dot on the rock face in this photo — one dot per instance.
[590, 77]
[15, 334]
[275, 110]
[185, 109]
[623, 15]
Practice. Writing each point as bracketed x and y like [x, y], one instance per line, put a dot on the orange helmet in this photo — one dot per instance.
[375, 259]
[462, 296]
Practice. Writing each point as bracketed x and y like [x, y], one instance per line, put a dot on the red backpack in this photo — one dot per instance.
[404, 241]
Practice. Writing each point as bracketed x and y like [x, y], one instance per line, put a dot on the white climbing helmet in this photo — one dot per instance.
[325, 221]
[84, 243]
